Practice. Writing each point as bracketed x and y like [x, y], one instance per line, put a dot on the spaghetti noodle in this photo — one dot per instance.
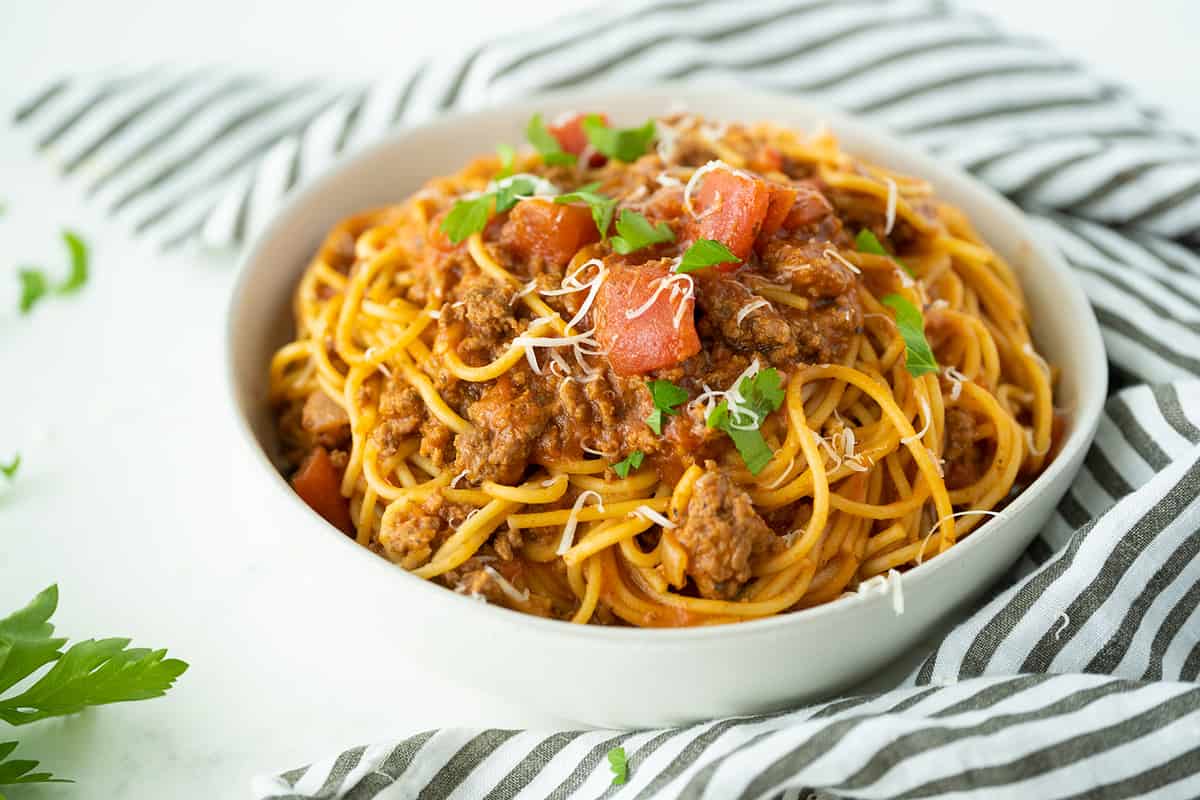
[732, 375]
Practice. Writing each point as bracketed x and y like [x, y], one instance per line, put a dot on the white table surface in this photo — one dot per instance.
[131, 494]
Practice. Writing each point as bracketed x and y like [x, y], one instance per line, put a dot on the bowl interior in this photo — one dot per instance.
[260, 318]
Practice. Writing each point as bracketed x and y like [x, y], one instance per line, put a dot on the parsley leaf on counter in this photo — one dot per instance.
[35, 284]
[761, 394]
[546, 144]
[618, 765]
[623, 144]
[90, 673]
[508, 157]
[635, 232]
[866, 242]
[34, 287]
[666, 396]
[918, 356]
[10, 469]
[706, 253]
[602, 206]
[20, 770]
[631, 462]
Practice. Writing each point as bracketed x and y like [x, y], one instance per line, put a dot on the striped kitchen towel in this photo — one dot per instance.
[1077, 678]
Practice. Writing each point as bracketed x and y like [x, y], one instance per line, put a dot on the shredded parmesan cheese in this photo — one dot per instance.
[956, 379]
[933, 530]
[457, 478]
[1066, 623]
[682, 288]
[648, 513]
[750, 308]
[928, 416]
[506, 587]
[891, 206]
[568, 537]
[783, 476]
[526, 289]
[541, 186]
[834, 254]
[694, 181]
[664, 179]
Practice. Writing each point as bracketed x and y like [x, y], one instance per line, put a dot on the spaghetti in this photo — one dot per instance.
[676, 375]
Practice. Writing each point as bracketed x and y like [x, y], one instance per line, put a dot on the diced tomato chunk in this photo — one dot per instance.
[650, 340]
[552, 231]
[572, 138]
[809, 206]
[730, 208]
[319, 483]
[782, 199]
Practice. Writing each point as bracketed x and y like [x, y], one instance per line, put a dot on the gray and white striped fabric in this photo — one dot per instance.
[1078, 677]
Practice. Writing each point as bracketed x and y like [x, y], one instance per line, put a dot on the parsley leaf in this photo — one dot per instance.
[546, 144]
[706, 253]
[34, 287]
[35, 284]
[79, 263]
[602, 206]
[89, 673]
[631, 462]
[666, 396]
[10, 469]
[508, 157]
[636, 232]
[623, 144]
[866, 242]
[20, 770]
[467, 217]
[618, 765]
[761, 394]
[918, 356]
[508, 194]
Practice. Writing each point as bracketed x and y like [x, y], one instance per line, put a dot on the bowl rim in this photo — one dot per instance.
[1089, 344]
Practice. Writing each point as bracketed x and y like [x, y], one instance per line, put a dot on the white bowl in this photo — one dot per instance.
[628, 676]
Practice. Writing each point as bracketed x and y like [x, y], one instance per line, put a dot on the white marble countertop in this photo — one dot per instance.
[130, 495]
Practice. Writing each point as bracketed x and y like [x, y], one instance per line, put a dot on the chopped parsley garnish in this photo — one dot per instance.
[623, 144]
[866, 242]
[471, 216]
[546, 144]
[706, 253]
[618, 765]
[602, 206]
[666, 396]
[508, 195]
[635, 232]
[508, 157]
[630, 463]
[34, 287]
[35, 284]
[467, 217]
[10, 469]
[761, 394]
[918, 356]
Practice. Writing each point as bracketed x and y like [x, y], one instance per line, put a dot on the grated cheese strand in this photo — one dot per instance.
[516, 596]
[750, 308]
[891, 206]
[649, 514]
[568, 537]
[834, 254]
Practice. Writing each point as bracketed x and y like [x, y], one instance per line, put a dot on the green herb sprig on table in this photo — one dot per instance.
[92, 672]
